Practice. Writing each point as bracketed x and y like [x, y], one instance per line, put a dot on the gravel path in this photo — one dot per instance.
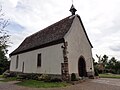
[95, 84]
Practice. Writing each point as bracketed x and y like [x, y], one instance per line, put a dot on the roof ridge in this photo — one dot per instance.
[49, 26]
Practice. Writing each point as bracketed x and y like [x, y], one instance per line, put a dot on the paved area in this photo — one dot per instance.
[1, 78]
[95, 84]
[114, 82]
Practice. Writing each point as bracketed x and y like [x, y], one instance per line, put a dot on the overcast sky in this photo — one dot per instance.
[101, 19]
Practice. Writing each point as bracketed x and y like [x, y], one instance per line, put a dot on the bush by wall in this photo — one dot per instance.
[73, 77]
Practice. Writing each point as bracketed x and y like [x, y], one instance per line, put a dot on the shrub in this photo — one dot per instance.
[7, 73]
[47, 79]
[96, 73]
[73, 77]
[1, 70]
[13, 74]
[56, 80]
[35, 77]
[91, 77]
[32, 76]
[22, 76]
[44, 77]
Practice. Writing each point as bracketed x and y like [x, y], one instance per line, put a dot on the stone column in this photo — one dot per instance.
[64, 66]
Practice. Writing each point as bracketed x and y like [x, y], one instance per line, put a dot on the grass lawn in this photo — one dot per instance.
[8, 79]
[35, 83]
[1, 76]
[109, 76]
[42, 84]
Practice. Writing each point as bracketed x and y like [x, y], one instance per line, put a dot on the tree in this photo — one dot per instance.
[4, 40]
[111, 65]
[117, 67]
[95, 67]
[100, 64]
[99, 58]
[106, 65]
[4, 37]
[4, 63]
[104, 60]
[113, 60]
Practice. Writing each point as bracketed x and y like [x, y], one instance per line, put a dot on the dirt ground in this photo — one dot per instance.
[95, 84]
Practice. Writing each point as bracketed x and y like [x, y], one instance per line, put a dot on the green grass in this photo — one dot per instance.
[1, 76]
[9, 79]
[42, 84]
[109, 76]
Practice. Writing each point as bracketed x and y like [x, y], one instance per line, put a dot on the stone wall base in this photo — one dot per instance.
[90, 73]
[51, 75]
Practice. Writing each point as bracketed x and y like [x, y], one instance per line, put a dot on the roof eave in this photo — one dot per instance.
[39, 47]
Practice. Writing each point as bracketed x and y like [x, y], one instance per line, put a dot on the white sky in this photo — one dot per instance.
[100, 18]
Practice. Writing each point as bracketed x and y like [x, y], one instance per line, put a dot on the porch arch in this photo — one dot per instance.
[82, 67]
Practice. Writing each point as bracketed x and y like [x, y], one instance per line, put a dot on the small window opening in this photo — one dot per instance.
[17, 59]
[39, 60]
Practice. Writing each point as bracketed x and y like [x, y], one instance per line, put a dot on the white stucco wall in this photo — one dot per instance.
[78, 45]
[52, 57]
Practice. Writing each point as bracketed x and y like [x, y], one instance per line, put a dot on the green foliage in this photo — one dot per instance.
[22, 76]
[9, 79]
[4, 41]
[7, 74]
[113, 66]
[42, 84]
[96, 72]
[73, 77]
[56, 80]
[1, 76]
[4, 63]
[104, 60]
[31, 76]
[39, 77]
[44, 77]
[106, 65]
[109, 76]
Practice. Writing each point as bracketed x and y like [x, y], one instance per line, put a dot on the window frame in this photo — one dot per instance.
[17, 60]
[39, 59]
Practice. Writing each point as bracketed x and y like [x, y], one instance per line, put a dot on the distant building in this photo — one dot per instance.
[60, 49]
